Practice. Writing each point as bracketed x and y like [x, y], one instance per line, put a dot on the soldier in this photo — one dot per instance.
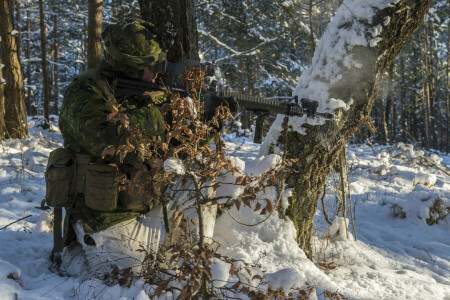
[102, 226]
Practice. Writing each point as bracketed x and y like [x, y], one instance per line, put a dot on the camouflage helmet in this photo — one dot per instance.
[131, 45]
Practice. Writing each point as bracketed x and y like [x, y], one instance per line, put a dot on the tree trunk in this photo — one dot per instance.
[393, 110]
[447, 100]
[384, 125]
[2, 103]
[404, 121]
[19, 30]
[181, 14]
[311, 28]
[84, 45]
[426, 90]
[432, 88]
[389, 107]
[44, 64]
[28, 101]
[319, 147]
[15, 114]
[94, 54]
[55, 65]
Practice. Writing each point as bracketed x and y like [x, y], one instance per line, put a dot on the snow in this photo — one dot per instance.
[397, 255]
[331, 56]
[174, 165]
[339, 229]
[220, 272]
[191, 106]
[287, 3]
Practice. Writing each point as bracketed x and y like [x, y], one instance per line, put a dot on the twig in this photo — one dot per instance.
[15, 222]
[21, 166]
[434, 165]
[274, 208]
[280, 195]
[239, 147]
[344, 198]
[350, 197]
[323, 204]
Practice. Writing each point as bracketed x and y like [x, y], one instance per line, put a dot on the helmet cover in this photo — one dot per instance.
[131, 45]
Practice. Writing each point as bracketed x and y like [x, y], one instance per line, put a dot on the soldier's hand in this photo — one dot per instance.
[135, 159]
[213, 101]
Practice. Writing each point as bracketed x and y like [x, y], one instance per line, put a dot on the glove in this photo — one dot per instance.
[212, 102]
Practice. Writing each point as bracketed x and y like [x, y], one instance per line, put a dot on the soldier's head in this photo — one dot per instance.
[136, 48]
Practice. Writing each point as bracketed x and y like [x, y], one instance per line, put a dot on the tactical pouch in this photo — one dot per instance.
[59, 178]
[135, 202]
[101, 191]
[83, 160]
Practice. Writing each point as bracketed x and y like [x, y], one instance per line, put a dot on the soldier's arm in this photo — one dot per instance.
[84, 116]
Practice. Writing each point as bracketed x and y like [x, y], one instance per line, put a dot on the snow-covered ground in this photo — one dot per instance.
[396, 255]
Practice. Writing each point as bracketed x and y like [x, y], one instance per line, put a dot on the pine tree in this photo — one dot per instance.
[181, 15]
[2, 103]
[94, 54]
[44, 65]
[15, 112]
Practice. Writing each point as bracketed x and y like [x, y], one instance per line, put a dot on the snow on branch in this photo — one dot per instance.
[349, 28]
[217, 41]
[354, 25]
[235, 53]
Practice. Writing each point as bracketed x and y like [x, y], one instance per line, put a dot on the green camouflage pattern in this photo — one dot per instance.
[131, 45]
[86, 130]
[86, 105]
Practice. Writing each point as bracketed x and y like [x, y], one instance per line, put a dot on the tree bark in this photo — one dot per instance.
[311, 28]
[15, 113]
[390, 107]
[85, 44]
[19, 30]
[55, 65]
[317, 150]
[181, 14]
[447, 100]
[28, 101]
[44, 64]
[94, 54]
[426, 91]
[404, 120]
[384, 122]
[2, 103]
[436, 106]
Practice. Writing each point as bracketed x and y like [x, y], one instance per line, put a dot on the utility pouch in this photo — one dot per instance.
[101, 192]
[134, 202]
[59, 178]
[83, 160]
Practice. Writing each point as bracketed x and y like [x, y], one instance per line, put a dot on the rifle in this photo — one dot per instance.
[261, 106]
[280, 105]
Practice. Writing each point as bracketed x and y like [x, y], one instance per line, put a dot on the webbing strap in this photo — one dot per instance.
[57, 230]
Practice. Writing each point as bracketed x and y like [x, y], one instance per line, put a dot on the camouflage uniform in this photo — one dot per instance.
[129, 47]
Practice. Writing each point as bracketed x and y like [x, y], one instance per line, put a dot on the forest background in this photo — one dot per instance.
[259, 48]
